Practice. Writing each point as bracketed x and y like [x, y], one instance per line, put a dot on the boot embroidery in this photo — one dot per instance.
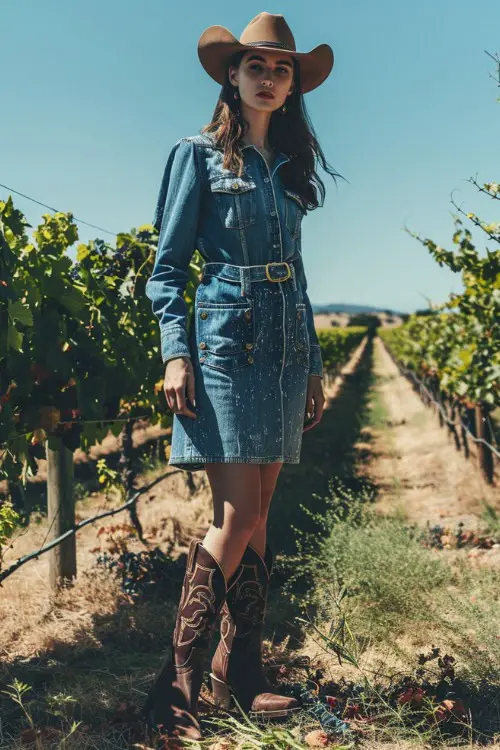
[227, 629]
[249, 603]
[201, 597]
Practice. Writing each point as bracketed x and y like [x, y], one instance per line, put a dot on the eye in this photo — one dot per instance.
[254, 65]
[283, 70]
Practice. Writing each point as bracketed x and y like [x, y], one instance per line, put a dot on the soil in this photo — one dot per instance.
[416, 465]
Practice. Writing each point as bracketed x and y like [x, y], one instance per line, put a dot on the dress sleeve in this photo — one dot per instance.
[176, 218]
[315, 359]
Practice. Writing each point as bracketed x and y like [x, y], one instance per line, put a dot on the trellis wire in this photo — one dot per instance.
[36, 553]
[409, 374]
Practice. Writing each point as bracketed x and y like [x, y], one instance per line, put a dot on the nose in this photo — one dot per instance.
[267, 83]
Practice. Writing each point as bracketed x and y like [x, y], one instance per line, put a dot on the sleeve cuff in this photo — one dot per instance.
[315, 361]
[174, 343]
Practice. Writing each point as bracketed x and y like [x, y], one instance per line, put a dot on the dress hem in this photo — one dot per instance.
[197, 462]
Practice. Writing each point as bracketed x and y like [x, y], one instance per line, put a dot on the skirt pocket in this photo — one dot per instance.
[225, 334]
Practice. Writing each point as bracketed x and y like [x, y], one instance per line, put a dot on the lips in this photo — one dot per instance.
[265, 95]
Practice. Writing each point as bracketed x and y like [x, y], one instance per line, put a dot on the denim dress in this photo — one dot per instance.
[252, 340]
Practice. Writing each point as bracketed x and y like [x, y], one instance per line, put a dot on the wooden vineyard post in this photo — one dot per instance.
[484, 454]
[128, 474]
[61, 512]
[452, 417]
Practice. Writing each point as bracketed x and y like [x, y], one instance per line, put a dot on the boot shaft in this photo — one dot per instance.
[243, 613]
[173, 698]
[203, 594]
[246, 601]
[237, 663]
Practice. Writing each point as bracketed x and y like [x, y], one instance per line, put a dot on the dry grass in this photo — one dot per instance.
[169, 513]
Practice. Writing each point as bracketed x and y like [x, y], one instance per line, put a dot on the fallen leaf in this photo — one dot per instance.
[221, 745]
[316, 738]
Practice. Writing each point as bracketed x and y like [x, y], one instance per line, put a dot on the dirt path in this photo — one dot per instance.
[414, 461]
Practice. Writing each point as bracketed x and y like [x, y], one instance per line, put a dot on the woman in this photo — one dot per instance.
[249, 371]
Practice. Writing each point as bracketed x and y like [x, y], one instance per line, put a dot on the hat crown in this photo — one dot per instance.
[268, 29]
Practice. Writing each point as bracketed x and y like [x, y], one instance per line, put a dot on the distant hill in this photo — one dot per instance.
[326, 316]
[351, 309]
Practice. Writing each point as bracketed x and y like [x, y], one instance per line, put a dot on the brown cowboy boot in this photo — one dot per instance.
[172, 703]
[237, 663]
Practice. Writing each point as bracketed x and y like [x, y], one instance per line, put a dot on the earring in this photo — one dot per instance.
[283, 109]
[236, 95]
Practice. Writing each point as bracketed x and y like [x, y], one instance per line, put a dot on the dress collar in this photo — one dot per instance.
[279, 159]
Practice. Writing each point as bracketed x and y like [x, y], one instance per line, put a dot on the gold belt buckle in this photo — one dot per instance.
[278, 263]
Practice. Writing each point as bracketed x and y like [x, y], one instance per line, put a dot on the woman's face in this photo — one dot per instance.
[259, 71]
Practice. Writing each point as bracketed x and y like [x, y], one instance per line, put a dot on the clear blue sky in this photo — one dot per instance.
[95, 93]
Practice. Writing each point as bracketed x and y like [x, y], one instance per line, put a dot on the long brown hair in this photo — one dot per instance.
[292, 133]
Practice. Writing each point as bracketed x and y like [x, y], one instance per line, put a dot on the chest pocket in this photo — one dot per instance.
[294, 212]
[236, 200]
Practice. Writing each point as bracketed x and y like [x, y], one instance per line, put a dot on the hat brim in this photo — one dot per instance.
[217, 45]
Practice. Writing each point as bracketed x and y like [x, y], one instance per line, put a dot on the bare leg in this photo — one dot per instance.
[237, 663]
[268, 477]
[236, 493]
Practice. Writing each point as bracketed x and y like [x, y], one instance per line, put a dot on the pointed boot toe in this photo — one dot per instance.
[272, 704]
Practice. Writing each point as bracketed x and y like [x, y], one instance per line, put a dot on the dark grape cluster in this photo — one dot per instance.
[145, 235]
[74, 274]
[101, 247]
[139, 571]
[137, 255]
[117, 266]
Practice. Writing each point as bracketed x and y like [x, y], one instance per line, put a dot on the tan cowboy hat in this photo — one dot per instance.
[267, 31]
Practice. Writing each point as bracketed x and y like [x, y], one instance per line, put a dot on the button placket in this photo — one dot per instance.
[276, 229]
